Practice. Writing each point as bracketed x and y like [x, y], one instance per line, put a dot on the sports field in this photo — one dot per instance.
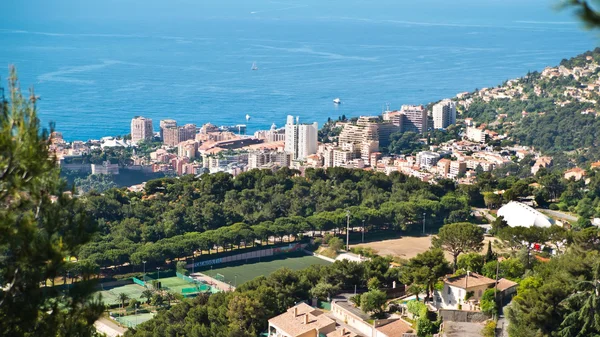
[175, 284]
[131, 321]
[247, 271]
[110, 295]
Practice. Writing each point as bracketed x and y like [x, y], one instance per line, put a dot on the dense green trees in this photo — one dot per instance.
[425, 270]
[373, 301]
[175, 216]
[551, 301]
[94, 182]
[40, 227]
[459, 238]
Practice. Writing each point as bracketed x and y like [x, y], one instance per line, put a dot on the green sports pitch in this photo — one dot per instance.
[251, 269]
[110, 295]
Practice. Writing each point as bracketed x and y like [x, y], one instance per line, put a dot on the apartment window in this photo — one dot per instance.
[449, 290]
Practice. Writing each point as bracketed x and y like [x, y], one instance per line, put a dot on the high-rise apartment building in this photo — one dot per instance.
[165, 124]
[300, 139]
[141, 129]
[175, 135]
[367, 130]
[414, 118]
[444, 114]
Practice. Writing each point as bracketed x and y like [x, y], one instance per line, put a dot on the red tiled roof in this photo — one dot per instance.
[504, 284]
[473, 280]
[395, 329]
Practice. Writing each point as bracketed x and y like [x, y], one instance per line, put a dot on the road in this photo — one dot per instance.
[483, 212]
[502, 325]
[558, 214]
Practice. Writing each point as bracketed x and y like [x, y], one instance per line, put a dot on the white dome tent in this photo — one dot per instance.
[517, 214]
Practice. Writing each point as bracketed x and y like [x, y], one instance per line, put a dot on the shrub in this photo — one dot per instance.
[488, 302]
[554, 207]
[416, 308]
[489, 330]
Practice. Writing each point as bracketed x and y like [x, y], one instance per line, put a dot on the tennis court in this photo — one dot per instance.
[238, 272]
[131, 321]
[110, 295]
[175, 284]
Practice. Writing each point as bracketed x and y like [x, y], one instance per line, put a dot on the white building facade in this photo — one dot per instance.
[300, 139]
[444, 114]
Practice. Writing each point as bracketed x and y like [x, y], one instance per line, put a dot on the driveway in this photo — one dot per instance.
[483, 212]
[558, 214]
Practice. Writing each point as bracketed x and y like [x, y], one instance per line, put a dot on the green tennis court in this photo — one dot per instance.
[175, 284]
[241, 271]
[110, 295]
[131, 321]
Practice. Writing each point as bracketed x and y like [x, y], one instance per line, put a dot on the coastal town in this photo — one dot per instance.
[477, 215]
[469, 146]
[189, 149]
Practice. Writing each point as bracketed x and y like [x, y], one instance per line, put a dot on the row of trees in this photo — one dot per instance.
[174, 217]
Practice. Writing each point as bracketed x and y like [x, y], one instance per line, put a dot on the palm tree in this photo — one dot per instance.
[584, 308]
[169, 296]
[123, 297]
[157, 299]
[147, 294]
[415, 289]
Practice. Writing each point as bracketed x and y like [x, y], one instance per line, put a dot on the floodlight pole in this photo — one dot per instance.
[363, 232]
[424, 223]
[158, 268]
[348, 230]
[144, 262]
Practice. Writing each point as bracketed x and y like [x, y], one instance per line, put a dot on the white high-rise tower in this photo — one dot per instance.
[300, 139]
[444, 114]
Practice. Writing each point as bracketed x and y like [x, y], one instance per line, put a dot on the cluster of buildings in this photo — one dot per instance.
[187, 149]
[343, 320]
[459, 295]
[359, 142]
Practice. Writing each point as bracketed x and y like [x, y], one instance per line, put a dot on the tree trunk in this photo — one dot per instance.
[455, 260]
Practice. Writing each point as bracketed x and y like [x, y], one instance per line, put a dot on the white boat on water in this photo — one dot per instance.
[247, 117]
[254, 66]
[337, 101]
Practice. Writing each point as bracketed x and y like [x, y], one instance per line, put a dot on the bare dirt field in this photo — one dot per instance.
[458, 329]
[409, 246]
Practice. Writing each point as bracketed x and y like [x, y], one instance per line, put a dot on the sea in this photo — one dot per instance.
[95, 64]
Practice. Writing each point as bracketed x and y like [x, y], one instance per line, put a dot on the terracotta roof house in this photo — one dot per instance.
[395, 328]
[303, 320]
[452, 296]
[577, 173]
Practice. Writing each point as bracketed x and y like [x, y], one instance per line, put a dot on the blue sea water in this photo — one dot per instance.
[96, 64]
